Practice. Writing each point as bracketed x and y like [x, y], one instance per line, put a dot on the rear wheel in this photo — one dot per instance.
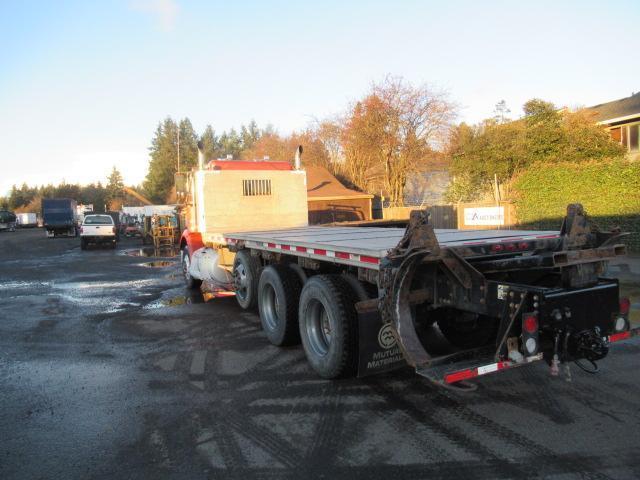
[328, 326]
[189, 281]
[278, 296]
[246, 274]
[466, 329]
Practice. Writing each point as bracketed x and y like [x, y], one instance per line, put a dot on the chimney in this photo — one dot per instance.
[201, 159]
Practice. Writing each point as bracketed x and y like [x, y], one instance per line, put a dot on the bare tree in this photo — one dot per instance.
[393, 130]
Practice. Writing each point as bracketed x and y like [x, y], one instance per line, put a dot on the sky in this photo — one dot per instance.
[83, 84]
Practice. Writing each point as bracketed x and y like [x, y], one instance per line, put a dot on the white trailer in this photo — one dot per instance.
[27, 220]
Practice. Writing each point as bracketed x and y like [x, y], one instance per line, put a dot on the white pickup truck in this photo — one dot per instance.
[98, 229]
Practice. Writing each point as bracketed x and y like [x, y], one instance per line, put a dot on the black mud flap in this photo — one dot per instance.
[378, 350]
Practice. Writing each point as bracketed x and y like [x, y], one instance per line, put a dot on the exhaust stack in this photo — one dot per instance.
[297, 158]
[201, 158]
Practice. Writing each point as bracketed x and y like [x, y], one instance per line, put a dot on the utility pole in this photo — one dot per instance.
[178, 148]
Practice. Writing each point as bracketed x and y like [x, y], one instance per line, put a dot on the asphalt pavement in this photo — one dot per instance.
[110, 369]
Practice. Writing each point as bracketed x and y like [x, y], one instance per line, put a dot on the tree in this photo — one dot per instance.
[164, 160]
[115, 185]
[188, 141]
[545, 135]
[249, 135]
[501, 111]
[393, 130]
[210, 143]
[230, 144]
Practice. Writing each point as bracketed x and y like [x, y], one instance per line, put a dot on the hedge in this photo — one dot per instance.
[608, 190]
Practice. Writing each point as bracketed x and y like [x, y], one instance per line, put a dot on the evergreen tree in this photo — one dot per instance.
[188, 145]
[114, 185]
[249, 135]
[210, 143]
[164, 160]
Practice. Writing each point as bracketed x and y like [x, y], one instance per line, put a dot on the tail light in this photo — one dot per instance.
[497, 248]
[81, 230]
[530, 340]
[114, 229]
[625, 306]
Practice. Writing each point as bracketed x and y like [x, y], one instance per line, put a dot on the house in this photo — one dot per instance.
[622, 119]
[330, 201]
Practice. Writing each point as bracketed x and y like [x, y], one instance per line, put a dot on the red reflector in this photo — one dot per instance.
[523, 245]
[364, 258]
[286, 247]
[625, 305]
[271, 245]
[301, 249]
[461, 375]
[81, 230]
[342, 255]
[530, 324]
[497, 247]
[319, 251]
[616, 337]
[511, 247]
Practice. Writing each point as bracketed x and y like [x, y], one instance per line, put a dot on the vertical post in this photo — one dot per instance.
[178, 148]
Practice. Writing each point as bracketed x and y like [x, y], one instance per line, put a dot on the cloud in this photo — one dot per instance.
[164, 12]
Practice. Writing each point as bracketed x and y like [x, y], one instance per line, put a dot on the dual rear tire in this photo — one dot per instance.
[321, 313]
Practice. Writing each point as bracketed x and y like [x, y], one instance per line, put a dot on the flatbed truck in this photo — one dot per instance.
[452, 304]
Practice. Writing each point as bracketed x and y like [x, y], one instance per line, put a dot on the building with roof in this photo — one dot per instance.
[330, 201]
[622, 119]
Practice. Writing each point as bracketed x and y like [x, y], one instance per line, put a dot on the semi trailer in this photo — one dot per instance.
[454, 305]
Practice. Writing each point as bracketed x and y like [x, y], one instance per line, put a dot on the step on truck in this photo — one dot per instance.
[454, 305]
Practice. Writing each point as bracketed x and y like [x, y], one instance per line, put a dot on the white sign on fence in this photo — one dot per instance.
[484, 216]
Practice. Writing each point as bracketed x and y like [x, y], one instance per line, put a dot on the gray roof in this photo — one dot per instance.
[618, 108]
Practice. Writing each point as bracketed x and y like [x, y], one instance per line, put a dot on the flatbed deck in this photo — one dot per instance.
[366, 246]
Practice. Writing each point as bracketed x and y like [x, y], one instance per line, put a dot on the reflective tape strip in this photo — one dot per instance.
[616, 337]
[353, 257]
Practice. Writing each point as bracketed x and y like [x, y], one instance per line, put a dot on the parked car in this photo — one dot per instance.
[98, 229]
[7, 220]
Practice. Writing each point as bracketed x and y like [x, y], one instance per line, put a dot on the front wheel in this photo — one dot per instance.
[246, 274]
[328, 326]
[190, 282]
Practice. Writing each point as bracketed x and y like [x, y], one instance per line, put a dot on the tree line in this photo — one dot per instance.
[378, 144]
[28, 198]
[375, 145]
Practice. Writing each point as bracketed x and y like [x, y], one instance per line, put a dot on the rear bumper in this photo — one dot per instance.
[454, 376]
[99, 239]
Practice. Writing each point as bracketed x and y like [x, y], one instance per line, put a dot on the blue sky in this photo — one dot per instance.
[84, 84]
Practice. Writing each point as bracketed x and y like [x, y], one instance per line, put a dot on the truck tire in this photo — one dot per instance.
[328, 326]
[190, 282]
[467, 330]
[246, 275]
[278, 297]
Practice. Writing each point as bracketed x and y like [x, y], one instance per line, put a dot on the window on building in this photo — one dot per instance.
[252, 188]
[623, 136]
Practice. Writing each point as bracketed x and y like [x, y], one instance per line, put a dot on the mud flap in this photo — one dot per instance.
[378, 350]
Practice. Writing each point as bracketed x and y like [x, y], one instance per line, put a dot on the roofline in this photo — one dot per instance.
[339, 197]
[618, 119]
